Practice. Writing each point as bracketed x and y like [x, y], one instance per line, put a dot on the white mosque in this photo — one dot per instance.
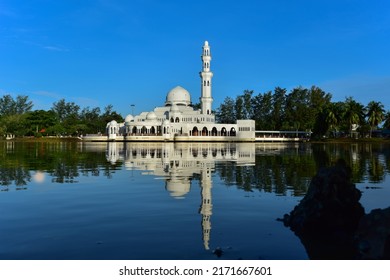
[178, 121]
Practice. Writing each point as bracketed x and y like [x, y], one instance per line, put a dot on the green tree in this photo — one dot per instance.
[65, 110]
[247, 104]
[297, 109]
[375, 114]
[353, 114]
[40, 121]
[11, 106]
[278, 105]
[317, 102]
[262, 110]
[67, 114]
[14, 124]
[334, 113]
[225, 112]
[386, 124]
[22, 104]
[239, 108]
[90, 119]
[196, 106]
[109, 115]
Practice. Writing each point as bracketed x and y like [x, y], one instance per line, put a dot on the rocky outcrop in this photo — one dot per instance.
[373, 235]
[331, 222]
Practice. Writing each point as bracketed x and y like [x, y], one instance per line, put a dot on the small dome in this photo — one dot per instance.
[151, 116]
[175, 108]
[129, 118]
[113, 122]
[206, 43]
[179, 96]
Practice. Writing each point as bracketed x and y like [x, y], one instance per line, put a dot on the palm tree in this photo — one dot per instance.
[333, 116]
[353, 113]
[387, 120]
[375, 114]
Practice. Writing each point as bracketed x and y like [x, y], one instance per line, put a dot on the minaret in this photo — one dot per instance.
[206, 206]
[205, 99]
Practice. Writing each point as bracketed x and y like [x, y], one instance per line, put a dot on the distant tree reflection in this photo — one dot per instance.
[292, 169]
[65, 162]
[281, 171]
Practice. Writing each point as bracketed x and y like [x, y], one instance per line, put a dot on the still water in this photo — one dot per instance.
[67, 200]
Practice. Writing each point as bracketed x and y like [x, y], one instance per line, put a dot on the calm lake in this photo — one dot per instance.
[70, 200]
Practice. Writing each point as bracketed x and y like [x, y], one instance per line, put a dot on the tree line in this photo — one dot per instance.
[63, 119]
[306, 109]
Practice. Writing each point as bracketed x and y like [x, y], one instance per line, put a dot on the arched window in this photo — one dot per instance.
[205, 132]
[177, 119]
[223, 131]
[172, 119]
[214, 131]
[232, 132]
[195, 131]
[208, 83]
[204, 83]
[134, 130]
[152, 130]
[143, 130]
[165, 130]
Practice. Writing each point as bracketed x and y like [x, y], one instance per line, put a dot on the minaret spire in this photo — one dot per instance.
[206, 99]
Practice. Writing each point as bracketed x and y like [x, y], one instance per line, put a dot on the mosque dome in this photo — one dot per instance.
[178, 188]
[129, 118]
[178, 96]
[151, 116]
[113, 123]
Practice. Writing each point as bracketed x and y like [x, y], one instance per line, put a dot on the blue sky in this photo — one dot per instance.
[116, 52]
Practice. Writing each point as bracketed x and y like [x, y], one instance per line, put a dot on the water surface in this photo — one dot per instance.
[68, 200]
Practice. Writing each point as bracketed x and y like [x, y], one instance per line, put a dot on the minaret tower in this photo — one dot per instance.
[206, 206]
[206, 100]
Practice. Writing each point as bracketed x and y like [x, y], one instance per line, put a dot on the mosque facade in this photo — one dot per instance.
[177, 120]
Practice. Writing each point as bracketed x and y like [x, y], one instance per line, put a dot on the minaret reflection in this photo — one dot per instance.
[179, 163]
[206, 207]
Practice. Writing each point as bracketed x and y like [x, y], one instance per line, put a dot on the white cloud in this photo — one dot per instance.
[54, 48]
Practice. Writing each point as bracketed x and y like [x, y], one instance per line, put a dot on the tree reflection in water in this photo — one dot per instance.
[279, 169]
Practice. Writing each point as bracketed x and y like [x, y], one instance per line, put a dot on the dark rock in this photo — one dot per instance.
[330, 203]
[327, 217]
[218, 252]
[373, 235]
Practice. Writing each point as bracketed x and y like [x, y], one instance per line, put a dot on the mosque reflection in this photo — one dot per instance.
[178, 163]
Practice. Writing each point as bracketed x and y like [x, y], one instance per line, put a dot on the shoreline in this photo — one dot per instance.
[322, 141]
